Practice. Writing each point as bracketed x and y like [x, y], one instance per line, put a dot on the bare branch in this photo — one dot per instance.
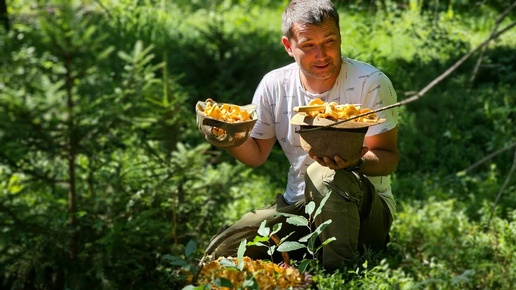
[487, 158]
[502, 189]
[484, 48]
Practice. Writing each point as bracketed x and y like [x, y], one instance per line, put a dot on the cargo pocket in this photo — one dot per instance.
[346, 184]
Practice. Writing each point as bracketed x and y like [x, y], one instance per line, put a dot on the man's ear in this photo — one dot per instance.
[287, 46]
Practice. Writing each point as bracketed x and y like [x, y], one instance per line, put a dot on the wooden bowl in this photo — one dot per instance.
[326, 138]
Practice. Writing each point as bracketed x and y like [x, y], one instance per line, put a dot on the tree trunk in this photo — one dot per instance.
[72, 195]
[4, 16]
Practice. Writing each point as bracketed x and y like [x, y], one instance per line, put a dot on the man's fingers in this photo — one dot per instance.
[330, 163]
[336, 163]
[340, 163]
[317, 159]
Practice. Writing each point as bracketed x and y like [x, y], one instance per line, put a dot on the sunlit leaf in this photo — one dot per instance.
[240, 254]
[297, 221]
[276, 228]
[264, 230]
[323, 202]
[309, 207]
[225, 262]
[290, 246]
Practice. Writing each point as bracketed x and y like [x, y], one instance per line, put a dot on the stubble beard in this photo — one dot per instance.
[331, 72]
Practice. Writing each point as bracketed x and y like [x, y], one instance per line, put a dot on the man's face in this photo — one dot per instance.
[316, 48]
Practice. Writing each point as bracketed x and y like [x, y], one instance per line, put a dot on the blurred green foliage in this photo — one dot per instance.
[103, 171]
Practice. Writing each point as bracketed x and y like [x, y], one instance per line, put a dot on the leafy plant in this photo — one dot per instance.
[307, 242]
[102, 170]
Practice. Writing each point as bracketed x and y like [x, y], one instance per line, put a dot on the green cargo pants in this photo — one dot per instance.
[360, 219]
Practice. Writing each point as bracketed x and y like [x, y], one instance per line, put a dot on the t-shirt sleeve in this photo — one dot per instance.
[264, 126]
[380, 93]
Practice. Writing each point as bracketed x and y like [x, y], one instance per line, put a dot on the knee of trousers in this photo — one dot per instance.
[341, 208]
[321, 180]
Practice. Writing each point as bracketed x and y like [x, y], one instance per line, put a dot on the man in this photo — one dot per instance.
[361, 205]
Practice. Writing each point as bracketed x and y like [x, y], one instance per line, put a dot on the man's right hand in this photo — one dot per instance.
[338, 162]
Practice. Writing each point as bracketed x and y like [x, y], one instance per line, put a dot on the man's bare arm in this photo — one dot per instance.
[253, 152]
[380, 155]
[383, 156]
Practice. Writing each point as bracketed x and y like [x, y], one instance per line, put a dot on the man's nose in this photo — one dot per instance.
[320, 51]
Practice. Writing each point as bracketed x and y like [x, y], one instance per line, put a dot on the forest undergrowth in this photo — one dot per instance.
[106, 182]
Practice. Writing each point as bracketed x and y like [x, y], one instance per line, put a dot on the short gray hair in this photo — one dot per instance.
[307, 12]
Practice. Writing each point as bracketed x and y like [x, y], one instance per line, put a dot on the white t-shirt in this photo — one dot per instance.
[281, 90]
